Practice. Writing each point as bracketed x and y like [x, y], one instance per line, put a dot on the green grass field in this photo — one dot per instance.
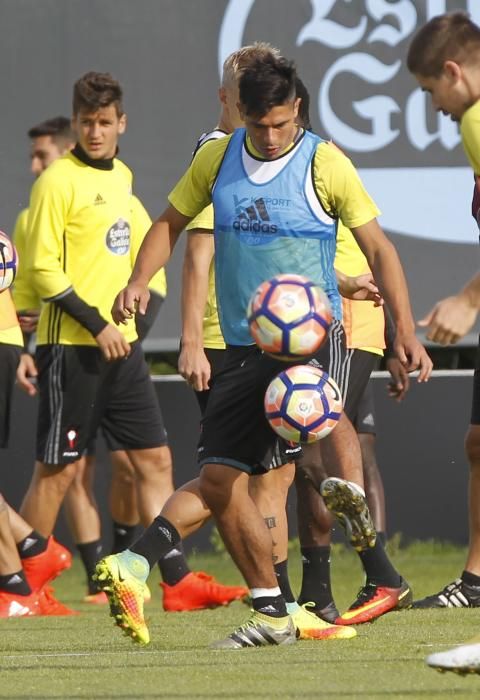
[87, 657]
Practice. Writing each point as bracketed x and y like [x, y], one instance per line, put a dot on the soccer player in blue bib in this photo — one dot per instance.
[278, 192]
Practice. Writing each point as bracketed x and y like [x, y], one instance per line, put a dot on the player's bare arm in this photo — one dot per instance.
[453, 317]
[388, 273]
[154, 253]
[192, 362]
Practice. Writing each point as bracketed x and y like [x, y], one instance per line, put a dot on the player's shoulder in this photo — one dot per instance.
[328, 151]
[208, 136]
[123, 168]
[21, 221]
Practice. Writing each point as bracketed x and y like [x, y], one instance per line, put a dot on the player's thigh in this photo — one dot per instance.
[9, 357]
[358, 368]
[216, 358]
[68, 381]
[364, 420]
[235, 431]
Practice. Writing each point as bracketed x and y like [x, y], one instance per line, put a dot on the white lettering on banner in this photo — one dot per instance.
[378, 109]
[423, 190]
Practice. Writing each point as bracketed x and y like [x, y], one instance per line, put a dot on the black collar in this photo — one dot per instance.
[99, 164]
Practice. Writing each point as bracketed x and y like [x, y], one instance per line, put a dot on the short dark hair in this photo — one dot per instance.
[96, 90]
[449, 37]
[58, 128]
[267, 83]
[304, 108]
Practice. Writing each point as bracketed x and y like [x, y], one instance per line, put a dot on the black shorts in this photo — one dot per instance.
[81, 392]
[235, 431]
[364, 420]
[216, 357]
[357, 368]
[9, 357]
[475, 414]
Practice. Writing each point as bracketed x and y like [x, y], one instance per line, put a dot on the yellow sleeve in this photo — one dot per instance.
[470, 133]
[24, 295]
[340, 189]
[141, 222]
[204, 220]
[193, 192]
[49, 204]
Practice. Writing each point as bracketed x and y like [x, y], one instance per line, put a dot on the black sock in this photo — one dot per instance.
[281, 572]
[123, 536]
[15, 583]
[470, 579]
[273, 606]
[32, 545]
[159, 540]
[378, 567]
[382, 537]
[173, 565]
[316, 585]
[90, 553]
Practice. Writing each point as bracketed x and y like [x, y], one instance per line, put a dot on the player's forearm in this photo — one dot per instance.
[388, 273]
[156, 249]
[87, 316]
[390, 278]
[471, 291]
[194, 299]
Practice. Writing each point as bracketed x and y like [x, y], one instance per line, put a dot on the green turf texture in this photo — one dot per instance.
[87, 657]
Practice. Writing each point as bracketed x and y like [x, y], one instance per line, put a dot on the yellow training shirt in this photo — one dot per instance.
[363, 322]
[336, 182]
[80, 237]
[212, 334]
[470, 132]
[10, 333]
[24, 296]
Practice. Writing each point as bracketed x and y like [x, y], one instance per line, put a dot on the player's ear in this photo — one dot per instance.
[122, 124]
[296, 107]
[452, 70]
[222, 95]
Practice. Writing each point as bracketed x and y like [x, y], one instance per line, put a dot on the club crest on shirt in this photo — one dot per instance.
[118, 237]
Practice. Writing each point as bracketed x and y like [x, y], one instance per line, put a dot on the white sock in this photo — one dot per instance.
[265, 592]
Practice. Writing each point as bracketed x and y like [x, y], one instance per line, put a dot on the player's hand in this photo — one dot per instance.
[361, 288]
[112, 343]
[194, 367]
[399, 383]
[28, 321]
[449, 320]
[131, 300]
[413, 355]
[26, 371]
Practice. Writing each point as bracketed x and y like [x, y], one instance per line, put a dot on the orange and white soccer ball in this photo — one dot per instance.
[289, 317]
[303, 404]
[8, 262]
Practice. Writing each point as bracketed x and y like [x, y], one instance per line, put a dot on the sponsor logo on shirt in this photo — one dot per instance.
[118, 237]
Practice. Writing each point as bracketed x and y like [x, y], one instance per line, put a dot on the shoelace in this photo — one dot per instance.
[365, 594]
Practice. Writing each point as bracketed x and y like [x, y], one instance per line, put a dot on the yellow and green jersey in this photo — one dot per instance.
[81, 229]
[364, 323]
[24, 296]
[470, 132]
[10, 333]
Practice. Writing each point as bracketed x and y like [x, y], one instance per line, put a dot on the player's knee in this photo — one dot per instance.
[214, 485]
[153, 463]
[472, 446]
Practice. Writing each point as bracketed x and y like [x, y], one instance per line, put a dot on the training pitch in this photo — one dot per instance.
[87, 657]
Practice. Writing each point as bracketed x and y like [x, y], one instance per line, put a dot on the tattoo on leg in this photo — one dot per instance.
[271, 522]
